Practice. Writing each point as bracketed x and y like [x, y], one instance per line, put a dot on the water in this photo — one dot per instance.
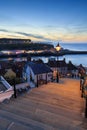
[76, 59]
[74, 46]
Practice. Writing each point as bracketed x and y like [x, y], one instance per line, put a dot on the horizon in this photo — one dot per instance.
[63, 21]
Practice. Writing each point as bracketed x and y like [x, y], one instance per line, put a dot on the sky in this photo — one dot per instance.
[44, 20]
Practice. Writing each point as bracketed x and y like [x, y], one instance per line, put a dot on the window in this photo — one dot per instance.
[49, 75]
[40, 76]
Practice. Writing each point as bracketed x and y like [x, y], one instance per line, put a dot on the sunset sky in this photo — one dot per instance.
[44, 20]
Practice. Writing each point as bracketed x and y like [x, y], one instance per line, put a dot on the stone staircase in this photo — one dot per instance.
[21, 117]
[50, 107]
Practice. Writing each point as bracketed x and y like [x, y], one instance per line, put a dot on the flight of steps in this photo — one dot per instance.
[22, 115]
[43, 109]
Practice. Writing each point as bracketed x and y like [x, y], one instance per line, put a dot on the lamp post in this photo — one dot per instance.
[37, 81]
[82, 86]
[15, 93]
[57, 49]
[57, 71]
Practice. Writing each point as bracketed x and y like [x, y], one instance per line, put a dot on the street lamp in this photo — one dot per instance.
[58, 48]
[37, 81]
[82, 86]
[15, 93]
[57, 71]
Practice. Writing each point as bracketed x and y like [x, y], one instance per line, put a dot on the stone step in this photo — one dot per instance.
[52, 120]
[29, 101]
[62, 94]
[39, 115]
[31, 106]
[4, 123]
[27, 122]
[68, 104]
[46, 108]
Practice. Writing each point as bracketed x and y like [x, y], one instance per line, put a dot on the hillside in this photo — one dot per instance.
[26, 46]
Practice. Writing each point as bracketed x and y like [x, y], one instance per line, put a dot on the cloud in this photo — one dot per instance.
[13, 33]
[77, 29]
[54, 33]
[3, 30]
[32, 35]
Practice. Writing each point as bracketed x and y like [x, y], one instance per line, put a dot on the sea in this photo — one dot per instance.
[76, 59]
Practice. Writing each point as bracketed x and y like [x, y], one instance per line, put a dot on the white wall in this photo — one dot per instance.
[75, 73]
[6, 95]
[29, 72]
[62, 70]
[34, 77]
[44, 76]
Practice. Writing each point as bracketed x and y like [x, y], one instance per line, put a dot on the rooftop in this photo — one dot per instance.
[59, 63]
[39, 68]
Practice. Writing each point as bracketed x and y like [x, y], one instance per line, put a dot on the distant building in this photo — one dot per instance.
[82, 70]
[37, 73]
[60, 65]
[4, 66]
[72, 70]
[14, 41]
[17, 67]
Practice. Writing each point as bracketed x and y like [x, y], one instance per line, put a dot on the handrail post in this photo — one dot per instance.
[15, 93]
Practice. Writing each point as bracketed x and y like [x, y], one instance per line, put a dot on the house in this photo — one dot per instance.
[4, 66]
[82, 70]
[6, 90]
[17, 67]
[37, 73]
[72, 70]
[59, 65]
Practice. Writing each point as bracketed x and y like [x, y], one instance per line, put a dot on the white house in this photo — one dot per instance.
[37, 73]
[6, 90]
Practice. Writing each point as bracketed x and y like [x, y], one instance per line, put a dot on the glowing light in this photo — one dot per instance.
[58, 47]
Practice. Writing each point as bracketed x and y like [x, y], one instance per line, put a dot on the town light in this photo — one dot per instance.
[58, 49]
